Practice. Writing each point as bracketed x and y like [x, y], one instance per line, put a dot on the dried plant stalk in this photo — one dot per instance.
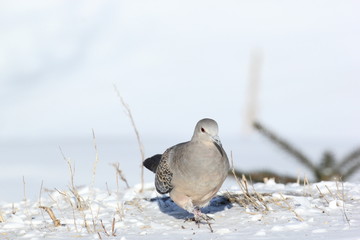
[1, 217]
[141, 146]
[120, 174]
[103, 227]
[96, 161]
[52, 215]
[321, 194]
[113, 230]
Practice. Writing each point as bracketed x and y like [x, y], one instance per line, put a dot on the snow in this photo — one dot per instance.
[324, 210]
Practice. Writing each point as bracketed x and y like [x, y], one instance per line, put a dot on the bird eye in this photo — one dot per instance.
[202, 129]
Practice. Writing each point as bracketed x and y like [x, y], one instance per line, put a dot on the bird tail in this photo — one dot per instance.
[152, 163]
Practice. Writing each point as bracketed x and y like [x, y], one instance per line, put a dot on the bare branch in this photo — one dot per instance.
[353, 156]
[259, 176]
[287, 147]
[351, 171]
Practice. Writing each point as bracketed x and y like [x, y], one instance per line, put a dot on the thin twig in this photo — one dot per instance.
[67, 198]
[352, 156]
[13, 209]
[113, 230]
[24, 188]
[343, 205]
[291, 209]
[41, 187]
[99, 236]
[349, 172]
[331, 193]
[96, 161]
[71, 168]
[86, 223]
[120, 174]
[321, 194]
[286, 146]
[107, 189]
[103, 227]
[141, 146]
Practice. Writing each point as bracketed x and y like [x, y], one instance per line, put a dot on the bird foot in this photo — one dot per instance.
[198, 216]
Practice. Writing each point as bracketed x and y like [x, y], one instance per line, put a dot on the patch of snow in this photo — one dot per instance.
[292, 211]
[335, 204]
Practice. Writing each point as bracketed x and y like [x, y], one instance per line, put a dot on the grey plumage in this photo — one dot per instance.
[192, 172]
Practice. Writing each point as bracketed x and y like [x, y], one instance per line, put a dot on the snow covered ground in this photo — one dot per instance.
[325, 210]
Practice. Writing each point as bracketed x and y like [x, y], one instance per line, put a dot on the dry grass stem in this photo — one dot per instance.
[27, 210]
[96, 161]
[74, 217]
[291, 208]
[99, 236]
[334, 197]
[141, 146]
[120, 174]
[1, 217]
[64, 216]
[71, 168]
[40, 193]
[67, 199]
[24, 188]
[86, 224]
[52, 215]
[255, 199]
[120, 211]
[321, 194]
[13, 209]
[80, 203]
[107, 189]
[343, 209]
[103, 227]
[113, 231]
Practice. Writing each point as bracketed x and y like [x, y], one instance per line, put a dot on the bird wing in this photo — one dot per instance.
[164, 175]
[152, 163]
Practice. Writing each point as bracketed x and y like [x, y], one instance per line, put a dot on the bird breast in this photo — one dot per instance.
[206, 169]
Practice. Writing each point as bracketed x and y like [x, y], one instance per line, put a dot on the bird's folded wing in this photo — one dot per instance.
[164, 175]
[153, 162]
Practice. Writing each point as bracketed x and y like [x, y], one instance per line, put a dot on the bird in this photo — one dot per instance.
[192, 172]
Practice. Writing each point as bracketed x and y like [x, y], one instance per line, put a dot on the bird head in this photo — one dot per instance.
[207, 130]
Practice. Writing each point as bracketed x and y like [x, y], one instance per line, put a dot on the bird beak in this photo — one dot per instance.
[217, 143]
[216, 140]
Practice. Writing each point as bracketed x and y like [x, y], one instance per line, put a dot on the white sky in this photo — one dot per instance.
[176, 62]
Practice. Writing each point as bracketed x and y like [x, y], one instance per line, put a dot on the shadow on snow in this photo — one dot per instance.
[167, 206]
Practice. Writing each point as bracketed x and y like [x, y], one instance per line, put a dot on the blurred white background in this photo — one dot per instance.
[174, 62]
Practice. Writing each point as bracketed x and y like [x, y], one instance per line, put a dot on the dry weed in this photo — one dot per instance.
[141, 146]
[52, 215]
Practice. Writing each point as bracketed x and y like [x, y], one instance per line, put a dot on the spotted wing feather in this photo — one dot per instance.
[163, 175]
